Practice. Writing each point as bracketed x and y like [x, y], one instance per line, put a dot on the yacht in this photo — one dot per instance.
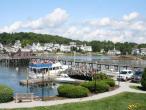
[45, 68]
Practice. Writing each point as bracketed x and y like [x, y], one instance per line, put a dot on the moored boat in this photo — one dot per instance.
[45, 68]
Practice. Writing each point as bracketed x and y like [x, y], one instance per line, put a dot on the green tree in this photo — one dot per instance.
[143, 80]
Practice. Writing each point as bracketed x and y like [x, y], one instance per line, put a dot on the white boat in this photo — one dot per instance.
[45, 69]
[64, 78]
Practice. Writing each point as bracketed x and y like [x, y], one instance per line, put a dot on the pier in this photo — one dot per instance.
[40, 81]
[93, 64]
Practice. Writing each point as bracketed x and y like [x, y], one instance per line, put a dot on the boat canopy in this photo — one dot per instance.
[40, 66]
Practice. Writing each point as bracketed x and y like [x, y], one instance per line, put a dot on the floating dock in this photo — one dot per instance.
[47, 81]
[39, 81]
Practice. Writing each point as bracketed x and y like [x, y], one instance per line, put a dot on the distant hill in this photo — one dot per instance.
[29, 38]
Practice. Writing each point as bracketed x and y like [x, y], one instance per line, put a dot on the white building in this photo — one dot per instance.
[143, 51]
[114, 52]
[17, 44]
[73, 44]
[1, 46]
[65, 48]
[36, 47]
[56, 47]
[135, 51]
[86, 48]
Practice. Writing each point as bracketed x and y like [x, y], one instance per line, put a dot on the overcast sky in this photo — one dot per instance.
[115, 20]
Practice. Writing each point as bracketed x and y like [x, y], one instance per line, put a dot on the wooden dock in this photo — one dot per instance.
[39, 81]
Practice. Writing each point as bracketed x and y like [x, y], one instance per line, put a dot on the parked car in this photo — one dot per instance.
[137, 76]
[125, 75]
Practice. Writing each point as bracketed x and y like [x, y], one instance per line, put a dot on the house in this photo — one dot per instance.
[135, 51]
[17, 44]
[19, 53]
[73, 44]
[56, 47]
[48, 47]
[102, 51]
[65, 48]
[86, 48]
[114, 52]
[1, 48]
[142, 51]
[36, 47]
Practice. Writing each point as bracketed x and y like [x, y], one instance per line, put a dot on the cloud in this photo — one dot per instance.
[99, 22]
[130, 27]
[131, 16]
[52, 20]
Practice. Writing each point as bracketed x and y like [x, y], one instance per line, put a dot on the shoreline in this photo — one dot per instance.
[125, 57]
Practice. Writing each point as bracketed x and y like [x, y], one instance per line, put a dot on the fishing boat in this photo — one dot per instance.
[45, 68]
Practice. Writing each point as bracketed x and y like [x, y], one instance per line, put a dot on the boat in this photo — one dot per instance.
[64, 78]
[45, 68]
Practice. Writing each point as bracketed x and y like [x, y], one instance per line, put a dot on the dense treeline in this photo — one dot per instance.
[29, 38]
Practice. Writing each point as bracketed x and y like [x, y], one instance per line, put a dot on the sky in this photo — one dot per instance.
[115, 20]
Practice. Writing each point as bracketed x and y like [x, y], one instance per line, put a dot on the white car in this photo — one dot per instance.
[125, 75]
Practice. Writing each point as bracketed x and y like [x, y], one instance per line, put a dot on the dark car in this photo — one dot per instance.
[137, 76]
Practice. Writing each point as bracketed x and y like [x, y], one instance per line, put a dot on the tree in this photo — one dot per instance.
[143, 80]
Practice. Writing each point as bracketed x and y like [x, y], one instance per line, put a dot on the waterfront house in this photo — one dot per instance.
[86, 48]
[17, 44]
[37, 47]
[135, 51]
[65, 48]
[73, 44]
[114, 52]
[143, 51]
[1, 47]
[20, 53]
[56, 47]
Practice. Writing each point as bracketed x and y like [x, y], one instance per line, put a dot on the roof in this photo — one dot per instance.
[39, 66]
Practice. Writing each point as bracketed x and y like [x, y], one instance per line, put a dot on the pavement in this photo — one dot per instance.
[124, 87]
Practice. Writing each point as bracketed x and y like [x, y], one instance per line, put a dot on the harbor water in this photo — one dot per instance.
[11, 75]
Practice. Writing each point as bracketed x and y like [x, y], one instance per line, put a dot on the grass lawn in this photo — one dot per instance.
[117, 102]
[137, 88]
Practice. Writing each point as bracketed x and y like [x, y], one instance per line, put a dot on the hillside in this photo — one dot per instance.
[29, 38]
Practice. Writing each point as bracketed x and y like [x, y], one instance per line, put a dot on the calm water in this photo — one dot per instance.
[11, 77]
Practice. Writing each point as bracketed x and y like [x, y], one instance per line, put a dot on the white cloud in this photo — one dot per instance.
[99, 22]
[131, 16]
[129, 28]
[52, 20]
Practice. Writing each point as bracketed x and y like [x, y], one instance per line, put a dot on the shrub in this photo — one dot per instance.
[143, 80]
[110, 82]
[90, 85]
[102, 87]
[72, 91]
[100, 76]
[6, 94]
[97, 87]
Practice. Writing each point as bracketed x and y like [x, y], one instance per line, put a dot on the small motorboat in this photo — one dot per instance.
[64, 78]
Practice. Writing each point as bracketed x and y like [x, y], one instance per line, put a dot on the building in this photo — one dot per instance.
[17, 44]
[1, 46]
[135, 51]
[36, 47]
[142, 51]
[56, 47]
[114, 52]
[86, 48]
[73, 44]
[65, 48]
